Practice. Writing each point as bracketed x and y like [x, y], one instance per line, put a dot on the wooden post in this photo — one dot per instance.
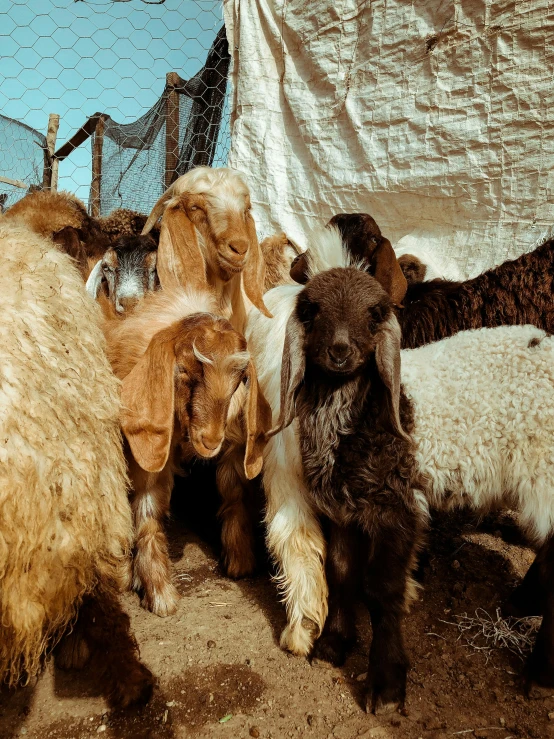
[98, 143]
[172, 81]
[50, 173]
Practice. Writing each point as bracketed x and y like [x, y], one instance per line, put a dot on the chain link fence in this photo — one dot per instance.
[140, 91]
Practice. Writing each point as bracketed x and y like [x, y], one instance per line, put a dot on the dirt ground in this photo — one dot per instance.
[221, 672]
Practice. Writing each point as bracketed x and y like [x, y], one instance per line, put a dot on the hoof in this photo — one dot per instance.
[299, 638]
[162, 602]
[136, 690]
[331, 648]
[386, 689]
[539, 671]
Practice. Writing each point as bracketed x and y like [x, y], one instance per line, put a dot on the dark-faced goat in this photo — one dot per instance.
[126, 272]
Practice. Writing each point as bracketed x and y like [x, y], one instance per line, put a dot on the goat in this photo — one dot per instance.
[208, 240]
[126, 272]
[65, 521]
[278, 252]
[341, 380]
[63, 218]
[183, 370]
[518, 291]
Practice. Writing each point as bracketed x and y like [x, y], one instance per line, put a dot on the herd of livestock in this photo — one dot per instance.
[357, 387]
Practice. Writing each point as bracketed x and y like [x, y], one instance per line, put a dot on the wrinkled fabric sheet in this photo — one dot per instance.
[435, 116]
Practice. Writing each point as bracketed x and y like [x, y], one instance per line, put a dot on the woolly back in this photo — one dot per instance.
[64, 515]
[46, 212]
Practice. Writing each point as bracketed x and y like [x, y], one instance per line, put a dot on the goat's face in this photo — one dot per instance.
[342, 311]
[210, 365]
[187, 379]
[343, 318]
[126, 272]
[208, 235]
[224, 223]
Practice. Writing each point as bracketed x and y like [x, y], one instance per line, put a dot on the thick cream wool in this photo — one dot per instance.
[64, 515]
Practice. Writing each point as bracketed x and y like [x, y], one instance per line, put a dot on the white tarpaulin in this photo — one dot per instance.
[437, 117]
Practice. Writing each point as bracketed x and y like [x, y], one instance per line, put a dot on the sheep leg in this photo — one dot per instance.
[528, 599]
[339, 634]
[540, 666]
[105, 628]
[237, 531]
[151, 566]
[387, 583]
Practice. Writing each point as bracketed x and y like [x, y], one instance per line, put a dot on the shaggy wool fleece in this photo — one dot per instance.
[64, 514]
[46, 212]
[484, 421]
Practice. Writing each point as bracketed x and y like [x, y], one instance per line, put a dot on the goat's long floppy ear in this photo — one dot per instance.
[157, 211]
[387, 357]
[69, 241]
[388, 272]
[253, 275]
[292, 373]
[180, 262]
[258, 423]
[299, 268]
[148, 398]
[94, 280]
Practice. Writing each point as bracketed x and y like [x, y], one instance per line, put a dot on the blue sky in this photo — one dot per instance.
[77, 58]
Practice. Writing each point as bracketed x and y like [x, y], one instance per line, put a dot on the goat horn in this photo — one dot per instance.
[157, 211]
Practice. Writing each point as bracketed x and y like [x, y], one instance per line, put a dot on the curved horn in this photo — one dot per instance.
[94, 280]
[157, 211]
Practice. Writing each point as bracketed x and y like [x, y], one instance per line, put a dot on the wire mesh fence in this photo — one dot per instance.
[140, 89]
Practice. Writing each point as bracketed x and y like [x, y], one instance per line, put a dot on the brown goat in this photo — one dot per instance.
[278, 251]
[208, 240]
[366, 244]
[183, 374]
[519, 291]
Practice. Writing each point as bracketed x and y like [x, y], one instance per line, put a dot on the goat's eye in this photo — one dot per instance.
[194, 207]
[376, 314]
[307, 311]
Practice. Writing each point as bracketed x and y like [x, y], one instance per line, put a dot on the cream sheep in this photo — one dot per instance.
[65, 521]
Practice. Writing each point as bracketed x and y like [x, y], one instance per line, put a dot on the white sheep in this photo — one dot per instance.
[65, 521]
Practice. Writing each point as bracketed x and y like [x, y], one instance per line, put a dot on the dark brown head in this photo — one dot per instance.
[190, 374]
[342, 320]
[365, 244]
[413, 268]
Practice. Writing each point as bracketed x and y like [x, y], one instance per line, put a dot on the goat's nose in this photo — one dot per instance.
[210, 443]
[339, 353]
[238, 247]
